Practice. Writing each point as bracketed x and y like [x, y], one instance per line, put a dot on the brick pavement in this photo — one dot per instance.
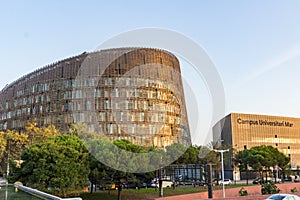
[254, 192]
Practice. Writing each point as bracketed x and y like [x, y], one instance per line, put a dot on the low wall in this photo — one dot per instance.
[41, 194]
[254, 192]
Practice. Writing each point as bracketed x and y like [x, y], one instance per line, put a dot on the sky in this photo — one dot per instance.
[255, 45]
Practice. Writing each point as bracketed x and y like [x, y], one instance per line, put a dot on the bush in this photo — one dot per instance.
[269, 188]
[293, 190]
[243, 192]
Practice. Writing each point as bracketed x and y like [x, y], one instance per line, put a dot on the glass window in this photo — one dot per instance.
[5, 126]
[78, 94]
[106, 105]
[133, 117]
[48, 107]
[117, 92]
[71, 82]
[102, 116]
[142, 116]
[110, 128]
[121, 116]
[97, 92]
[88, 105]
[8, 115]
[58, 95]
[67, 106]
[133, 128]
[136, 92]
[105, 93]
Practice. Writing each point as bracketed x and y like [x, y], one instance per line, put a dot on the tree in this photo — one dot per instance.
[59, 164]
[261, 158]
[13, 143]
[242, 159]
[189, 156]
[37, 134]
[207, 156]
[196, 155]
[2, 144]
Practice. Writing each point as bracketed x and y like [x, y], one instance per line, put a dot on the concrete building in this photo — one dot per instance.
[243, 131]
[124, 93]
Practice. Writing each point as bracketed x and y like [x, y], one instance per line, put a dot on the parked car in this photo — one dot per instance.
[110, 186]
[257, 181]
[3, 181]
[260, 181]
[226, 182]
[283, 197]
[145, 185]
[215, 181]
[288, 178]
[201, 183]
[130, 185]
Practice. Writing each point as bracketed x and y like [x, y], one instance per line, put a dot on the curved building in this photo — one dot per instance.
[125, 93]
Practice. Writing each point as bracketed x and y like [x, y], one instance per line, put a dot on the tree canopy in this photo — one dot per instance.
[261, 158]
[61, 164]
[58, 165]
[13, 143]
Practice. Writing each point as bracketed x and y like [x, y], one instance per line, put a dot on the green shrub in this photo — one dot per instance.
[293, 190]
[243, 192]
[269, 188]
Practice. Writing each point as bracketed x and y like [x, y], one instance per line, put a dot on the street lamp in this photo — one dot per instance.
[222, 163]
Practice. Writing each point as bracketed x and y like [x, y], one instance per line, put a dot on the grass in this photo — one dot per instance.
[148, 193]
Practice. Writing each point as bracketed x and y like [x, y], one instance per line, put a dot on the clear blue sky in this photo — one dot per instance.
[254, 44]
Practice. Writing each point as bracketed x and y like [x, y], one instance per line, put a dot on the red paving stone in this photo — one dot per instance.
[254, 192]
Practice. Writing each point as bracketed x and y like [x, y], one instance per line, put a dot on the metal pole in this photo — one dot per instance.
[119, 189]
[160, 188]
[223, 185]
[222, 163]
[235, 172]
[7, 170]
[209, 182]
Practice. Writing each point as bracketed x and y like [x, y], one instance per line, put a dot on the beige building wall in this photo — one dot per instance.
[243, 131]
[250, 130]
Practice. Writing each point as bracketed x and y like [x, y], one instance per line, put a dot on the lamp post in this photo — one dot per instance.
[222, 163]
[209, 184]
[7, 169]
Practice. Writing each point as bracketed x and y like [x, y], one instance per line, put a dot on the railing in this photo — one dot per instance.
[41, 194]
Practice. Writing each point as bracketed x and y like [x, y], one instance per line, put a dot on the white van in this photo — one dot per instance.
[167, 184]
[164, 184]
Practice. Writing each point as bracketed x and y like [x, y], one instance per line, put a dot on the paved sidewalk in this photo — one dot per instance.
[254, 192]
